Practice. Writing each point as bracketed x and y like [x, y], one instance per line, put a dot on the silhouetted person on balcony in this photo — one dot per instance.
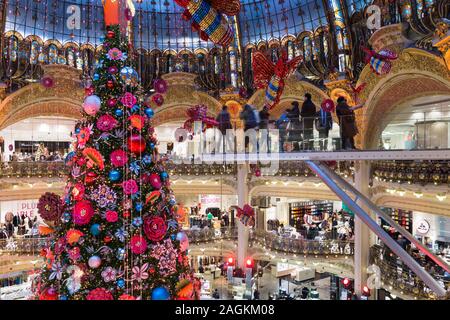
[224, 120]
[264, 125]
[250, 122]
[347, 123]
[308, 114]
[324, 123]
[294, 124]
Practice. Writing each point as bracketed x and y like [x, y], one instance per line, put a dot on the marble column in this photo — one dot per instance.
[362, 232]
[243, 232]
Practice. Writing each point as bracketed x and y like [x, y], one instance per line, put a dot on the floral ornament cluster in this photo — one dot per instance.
[116, 230]
[167, 257]
[104, 196]
[117, 54]
[50, 206]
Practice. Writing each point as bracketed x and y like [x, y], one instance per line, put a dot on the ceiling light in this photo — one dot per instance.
[418, 194]
[401, 192]
[441, 196]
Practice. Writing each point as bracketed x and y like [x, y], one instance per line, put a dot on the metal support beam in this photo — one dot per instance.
[373, 225]
[345, 185]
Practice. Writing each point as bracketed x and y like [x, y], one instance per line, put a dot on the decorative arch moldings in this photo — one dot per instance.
[63, 99]
[180, 96]
[415, 74]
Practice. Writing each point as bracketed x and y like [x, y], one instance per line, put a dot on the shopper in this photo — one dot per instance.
[215, 294]
[308, 114]
[347, 123]
[256, 295]
[281, 124]
[224, 120]
[250, 122]
[324, 124]
[264, 125]
[293, 128]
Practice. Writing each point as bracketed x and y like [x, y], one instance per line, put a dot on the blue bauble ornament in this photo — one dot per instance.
[138, 206]
[135, 108]
[102, 39]
[172, 236]
[147, 159]
[152, 145]
[121, 283]
[95, 229]
[77, 130]
[164, 175]
[120, 253]
[172, 202]
[118, 113]
[149, 112]
[114, 175]
[62, 297]
[66, 217]
[160, 293]
[96, 77]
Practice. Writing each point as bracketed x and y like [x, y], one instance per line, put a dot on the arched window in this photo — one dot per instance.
[290, 49]
[13, 49]
[52, 54]
[71, 59]
[34, 52]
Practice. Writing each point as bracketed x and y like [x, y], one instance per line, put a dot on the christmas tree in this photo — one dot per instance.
[115, 233]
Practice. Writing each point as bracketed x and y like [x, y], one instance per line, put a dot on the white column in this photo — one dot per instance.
[243, 233]
[362, 232]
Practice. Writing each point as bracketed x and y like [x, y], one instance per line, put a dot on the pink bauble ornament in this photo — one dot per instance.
[158, 99]
[136, 144]
[47, 82]
[91, 105]
[258, 173]
[155, 181]
[111, 102]
[160, 86]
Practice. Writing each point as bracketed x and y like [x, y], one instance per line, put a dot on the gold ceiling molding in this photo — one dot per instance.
[412, 203]
[63, 99]
[181, 95]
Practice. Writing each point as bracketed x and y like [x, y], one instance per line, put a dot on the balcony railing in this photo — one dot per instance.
[396, 275]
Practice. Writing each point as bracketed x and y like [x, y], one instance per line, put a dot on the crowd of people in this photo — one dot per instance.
[296, 125]
[20, 225]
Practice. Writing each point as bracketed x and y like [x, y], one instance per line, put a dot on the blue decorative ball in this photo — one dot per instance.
[63, 297]
[102, 39]
[160, 293]
[172, 202]
[66, 217]
[77, 130]
[121, 283]
[164, 175]
[119, 113]
[96, 77]
[149, 112]
[138, 206]
[120, 253]
[172, 237]
[95, 229]
[114, 175]
[152, 145]
[147, 159]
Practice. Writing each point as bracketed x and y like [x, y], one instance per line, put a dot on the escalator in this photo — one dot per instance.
[350, 196]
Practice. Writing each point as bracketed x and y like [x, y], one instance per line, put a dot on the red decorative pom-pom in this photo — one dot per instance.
[182, 3]
[136, 144]
[99, 294]
[203, 35]
[186, 15]
[110, 34]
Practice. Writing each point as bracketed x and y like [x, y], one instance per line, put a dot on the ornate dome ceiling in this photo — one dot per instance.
[158, 23]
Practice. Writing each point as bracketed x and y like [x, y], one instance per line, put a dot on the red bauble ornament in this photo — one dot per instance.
[110, 84]
[257, 173]
[111, 102]
[89, 91]
[155, 181]
[90, 177]
[136, 144]
[107, 239]
[110, 34]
